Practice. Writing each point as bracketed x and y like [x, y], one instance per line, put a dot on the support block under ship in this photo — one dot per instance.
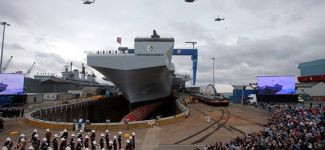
[143, 74]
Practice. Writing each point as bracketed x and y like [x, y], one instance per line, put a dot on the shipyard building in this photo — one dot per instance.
[311, 79]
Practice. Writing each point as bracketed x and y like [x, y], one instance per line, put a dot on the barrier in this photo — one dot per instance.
[111, 126]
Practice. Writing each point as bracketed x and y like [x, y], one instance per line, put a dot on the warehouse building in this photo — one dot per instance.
[312, 71]
[312, 78]
[314, 89]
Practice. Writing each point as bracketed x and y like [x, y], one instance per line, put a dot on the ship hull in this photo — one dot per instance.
[3, 87]
[139, 85]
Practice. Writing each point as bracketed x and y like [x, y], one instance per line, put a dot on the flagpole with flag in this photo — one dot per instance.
[119, 40]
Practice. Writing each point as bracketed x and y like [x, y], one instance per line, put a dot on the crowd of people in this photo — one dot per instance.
[80, 141]
[11, 112]
[290, 127]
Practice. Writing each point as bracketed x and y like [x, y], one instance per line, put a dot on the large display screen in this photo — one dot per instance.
[273, 85]
[11, 84]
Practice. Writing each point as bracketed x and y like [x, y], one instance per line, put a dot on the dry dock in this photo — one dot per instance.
[226, 123]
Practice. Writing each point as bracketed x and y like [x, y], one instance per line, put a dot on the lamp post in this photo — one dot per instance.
[4, 24]
[213, 70]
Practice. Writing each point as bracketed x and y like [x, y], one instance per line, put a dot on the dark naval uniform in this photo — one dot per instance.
[55, 144]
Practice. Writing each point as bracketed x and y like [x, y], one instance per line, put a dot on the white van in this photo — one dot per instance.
[252, 98]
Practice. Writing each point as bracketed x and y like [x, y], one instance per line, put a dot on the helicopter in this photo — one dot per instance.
[86, 2]
[219, 19]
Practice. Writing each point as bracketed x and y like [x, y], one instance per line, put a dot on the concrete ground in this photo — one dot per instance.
[227, 123]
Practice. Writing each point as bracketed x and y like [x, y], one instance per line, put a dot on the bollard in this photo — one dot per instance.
[107, 123]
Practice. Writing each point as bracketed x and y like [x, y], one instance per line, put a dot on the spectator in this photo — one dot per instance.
[2, 123]
[291, 127]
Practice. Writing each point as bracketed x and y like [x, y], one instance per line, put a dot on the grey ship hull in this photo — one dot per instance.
[139, 85]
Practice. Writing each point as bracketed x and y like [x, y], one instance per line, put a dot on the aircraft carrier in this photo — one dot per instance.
[144, 73]
[70, 79]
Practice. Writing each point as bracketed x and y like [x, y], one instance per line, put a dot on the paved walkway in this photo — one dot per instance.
[151, 139]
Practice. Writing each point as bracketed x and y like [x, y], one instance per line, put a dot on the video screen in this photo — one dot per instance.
[274, 85]
[11, 84]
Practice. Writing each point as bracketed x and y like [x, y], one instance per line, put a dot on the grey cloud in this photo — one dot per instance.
[49, 62]
[242, 61]
[258, 36]
[14, 46]
[11, 11]
[192, 30]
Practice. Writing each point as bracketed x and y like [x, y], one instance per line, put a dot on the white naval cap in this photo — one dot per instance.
[4, 148]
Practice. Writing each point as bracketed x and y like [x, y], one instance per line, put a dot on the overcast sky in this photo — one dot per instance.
[258, 37]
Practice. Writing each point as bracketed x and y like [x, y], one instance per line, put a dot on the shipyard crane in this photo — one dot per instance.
[194, 56]
[5, 67]
[30, 69]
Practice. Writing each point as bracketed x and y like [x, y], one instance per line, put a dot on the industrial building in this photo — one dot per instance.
[312, 78]
[241, 91]
[33, 98]
[314, 89]
[312, 71]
